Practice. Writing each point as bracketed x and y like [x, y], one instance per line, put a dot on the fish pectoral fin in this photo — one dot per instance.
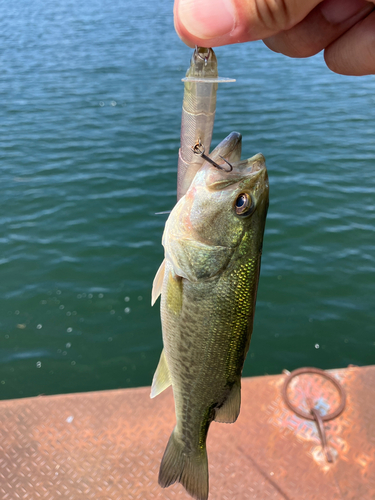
[228, 413]
[197, 261]
[162, 377]
[157, 283]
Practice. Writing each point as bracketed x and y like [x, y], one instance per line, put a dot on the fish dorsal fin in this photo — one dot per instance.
[230, 410]
[162, 378]
[157, 283]
[197, 261]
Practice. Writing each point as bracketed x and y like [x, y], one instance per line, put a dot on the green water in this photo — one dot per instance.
[90, 115]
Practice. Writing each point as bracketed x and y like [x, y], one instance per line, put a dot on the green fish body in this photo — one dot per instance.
[208, 284]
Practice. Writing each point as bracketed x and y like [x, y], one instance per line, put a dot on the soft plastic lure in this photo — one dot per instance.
[198, 115]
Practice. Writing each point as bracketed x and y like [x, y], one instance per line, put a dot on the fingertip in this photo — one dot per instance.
[206, 23]
[210, 23]
[181, 31]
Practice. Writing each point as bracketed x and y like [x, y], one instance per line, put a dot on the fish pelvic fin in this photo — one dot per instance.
[157, 283]
[162, 377]
[229, 411]
[191, 470]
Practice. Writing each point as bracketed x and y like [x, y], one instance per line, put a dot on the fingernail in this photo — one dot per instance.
[338, 11]
[206, 19]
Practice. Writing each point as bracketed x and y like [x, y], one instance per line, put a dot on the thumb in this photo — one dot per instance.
[210, 23]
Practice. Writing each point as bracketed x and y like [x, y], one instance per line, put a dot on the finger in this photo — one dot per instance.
[327, 22]
[210, 23]
[354, 52]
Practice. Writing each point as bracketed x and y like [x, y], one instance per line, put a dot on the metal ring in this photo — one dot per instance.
[198, 148]
[324, 374]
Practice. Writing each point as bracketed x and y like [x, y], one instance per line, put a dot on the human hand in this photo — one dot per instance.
[345, 29]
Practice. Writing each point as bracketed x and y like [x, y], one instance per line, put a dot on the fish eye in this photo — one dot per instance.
[244, 204]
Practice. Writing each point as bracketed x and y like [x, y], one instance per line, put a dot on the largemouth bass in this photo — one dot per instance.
[208, 283]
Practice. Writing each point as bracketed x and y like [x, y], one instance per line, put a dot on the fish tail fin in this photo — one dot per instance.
[189, 470]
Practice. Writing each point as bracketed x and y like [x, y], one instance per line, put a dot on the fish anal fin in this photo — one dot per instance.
[162, 377]
[157, 283]
[229, 411]
[189, 469]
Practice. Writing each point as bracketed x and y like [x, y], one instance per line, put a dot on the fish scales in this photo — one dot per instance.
[207, 344]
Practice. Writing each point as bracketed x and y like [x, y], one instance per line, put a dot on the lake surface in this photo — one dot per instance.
[90, 115]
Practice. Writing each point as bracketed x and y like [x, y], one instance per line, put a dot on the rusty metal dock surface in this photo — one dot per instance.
[108, 445]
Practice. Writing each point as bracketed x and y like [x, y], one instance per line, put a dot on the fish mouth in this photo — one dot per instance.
[253, 166]
[245, 172]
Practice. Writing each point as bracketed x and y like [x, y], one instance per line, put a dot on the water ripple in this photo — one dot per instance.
[91, 112]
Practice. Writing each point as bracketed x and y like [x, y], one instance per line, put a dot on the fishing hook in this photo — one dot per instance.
[199, 149]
